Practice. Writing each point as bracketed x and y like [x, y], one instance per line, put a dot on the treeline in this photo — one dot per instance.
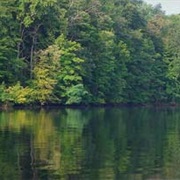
[88, 52]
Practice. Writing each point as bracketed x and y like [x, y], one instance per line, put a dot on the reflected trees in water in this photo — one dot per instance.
[96, 143]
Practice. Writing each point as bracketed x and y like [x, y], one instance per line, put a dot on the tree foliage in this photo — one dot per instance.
[95, 51]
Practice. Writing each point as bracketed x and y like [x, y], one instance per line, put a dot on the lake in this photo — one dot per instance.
[90, 143]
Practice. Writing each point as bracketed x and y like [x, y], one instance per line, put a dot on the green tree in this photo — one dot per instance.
[172, 56]
[39, 25]
[10, 64]
[70, 67]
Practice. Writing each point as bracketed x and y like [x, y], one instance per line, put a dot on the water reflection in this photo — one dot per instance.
[98, 143]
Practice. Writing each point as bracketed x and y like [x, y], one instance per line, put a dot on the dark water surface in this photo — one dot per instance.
[92, 144]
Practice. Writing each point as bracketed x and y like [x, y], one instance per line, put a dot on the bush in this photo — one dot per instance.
[3, 94]
[77, 95]
[18, 94]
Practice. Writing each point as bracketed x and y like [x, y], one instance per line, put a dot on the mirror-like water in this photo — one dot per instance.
[93, 143]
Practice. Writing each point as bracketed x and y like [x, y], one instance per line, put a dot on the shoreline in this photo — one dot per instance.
[82, 106]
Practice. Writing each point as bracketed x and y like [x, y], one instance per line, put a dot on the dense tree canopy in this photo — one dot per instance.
[88, 52]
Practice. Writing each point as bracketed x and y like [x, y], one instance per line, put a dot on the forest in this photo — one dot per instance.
[72, 52]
